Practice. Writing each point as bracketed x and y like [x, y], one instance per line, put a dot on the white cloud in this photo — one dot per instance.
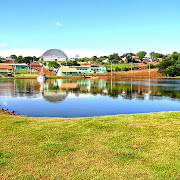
[72, 96]
[23, 52]
[58, 24]
[71, 53]
[3, 44]
[85, 53]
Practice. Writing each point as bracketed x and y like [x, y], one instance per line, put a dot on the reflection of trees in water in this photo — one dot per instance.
[53, 87]
[31, 88]
[171, 94]
[23, 88]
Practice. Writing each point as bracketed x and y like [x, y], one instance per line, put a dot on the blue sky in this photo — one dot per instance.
[106, 26]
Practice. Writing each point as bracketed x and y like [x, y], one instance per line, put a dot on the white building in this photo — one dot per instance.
[54, 55]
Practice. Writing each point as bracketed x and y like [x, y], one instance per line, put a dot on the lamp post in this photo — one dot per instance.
[149, 71]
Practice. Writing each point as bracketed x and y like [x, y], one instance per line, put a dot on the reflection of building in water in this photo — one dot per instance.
[89, 84]
[20, 87]
[57, 90]
[55, 96]
[51, 91]
[74, 86]
[69, 85]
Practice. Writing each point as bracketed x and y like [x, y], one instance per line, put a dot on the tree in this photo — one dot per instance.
[19, 59]
[128, 55]
[114, 58]
[165, 63]
[94, 58]
[175, 55]
[13, 57]
[152, 54]
[52, 65]
[141, 54]
[75, 63]
[151, 65]
[27, 59]
[170, 66]
[170, 71]
[35, 58]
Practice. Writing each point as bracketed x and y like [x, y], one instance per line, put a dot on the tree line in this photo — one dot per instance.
[170, 65]
[129, 57]
[21, 59]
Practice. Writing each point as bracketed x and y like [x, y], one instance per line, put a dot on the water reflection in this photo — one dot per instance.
[55, 90]
[72, 98]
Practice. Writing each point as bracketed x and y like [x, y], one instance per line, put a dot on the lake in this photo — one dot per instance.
[84, 98]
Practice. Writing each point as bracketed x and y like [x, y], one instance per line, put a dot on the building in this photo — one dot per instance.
[68, 85]
[83, 69]
[5, 70]
[146, 59]
[16, 66]
[54, 55]
[67, 72]
[98, 69]
[105, 60]
[90, 69]
[20, 66]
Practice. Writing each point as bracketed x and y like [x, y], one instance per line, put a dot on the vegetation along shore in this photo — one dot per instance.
[128, 64]
[139, 146]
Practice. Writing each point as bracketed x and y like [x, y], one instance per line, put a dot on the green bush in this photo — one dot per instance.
[151, 65]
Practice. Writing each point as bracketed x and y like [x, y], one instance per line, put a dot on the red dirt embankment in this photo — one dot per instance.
[139, 73]
[135, 74]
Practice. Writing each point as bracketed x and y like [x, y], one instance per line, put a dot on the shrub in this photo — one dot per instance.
[151, 65]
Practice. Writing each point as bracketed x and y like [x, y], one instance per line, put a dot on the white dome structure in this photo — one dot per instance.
[54, 55]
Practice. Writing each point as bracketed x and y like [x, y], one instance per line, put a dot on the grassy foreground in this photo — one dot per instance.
[139, 146]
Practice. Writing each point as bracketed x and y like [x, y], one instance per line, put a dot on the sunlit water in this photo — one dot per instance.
[80, 98]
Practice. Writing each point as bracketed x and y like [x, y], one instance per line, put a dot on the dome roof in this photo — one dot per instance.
[54, 53]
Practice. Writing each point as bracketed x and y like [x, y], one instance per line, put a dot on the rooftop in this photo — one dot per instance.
[54, 53]
[68, 69]
[17, 64]
[2, 66]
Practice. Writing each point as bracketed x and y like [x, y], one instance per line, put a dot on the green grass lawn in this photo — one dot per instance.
[26, 72]
[120, 66]
[139, 146]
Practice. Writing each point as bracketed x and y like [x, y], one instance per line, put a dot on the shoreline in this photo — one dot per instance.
[135, 74]
[99, 77]
[146, 113]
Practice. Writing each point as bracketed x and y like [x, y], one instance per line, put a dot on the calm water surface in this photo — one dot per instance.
[80, 98]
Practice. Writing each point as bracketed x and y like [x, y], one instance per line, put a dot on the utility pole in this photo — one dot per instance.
[30, 67]
[66, 67]
[131, 64]
[111, 68]
[14, 67]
